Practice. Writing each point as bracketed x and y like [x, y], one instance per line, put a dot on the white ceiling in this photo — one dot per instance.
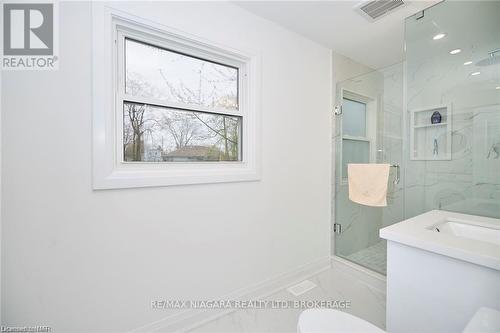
[338, 26]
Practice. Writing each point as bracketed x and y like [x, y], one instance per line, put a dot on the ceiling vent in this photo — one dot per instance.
[376, 9]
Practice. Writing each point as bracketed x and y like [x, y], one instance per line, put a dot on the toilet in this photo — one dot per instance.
[329, 320]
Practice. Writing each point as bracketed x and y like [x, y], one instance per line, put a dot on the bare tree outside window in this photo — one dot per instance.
[153, 133]
[160, 134]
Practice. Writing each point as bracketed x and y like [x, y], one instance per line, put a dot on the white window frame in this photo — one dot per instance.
[371, 128]
[110, 28]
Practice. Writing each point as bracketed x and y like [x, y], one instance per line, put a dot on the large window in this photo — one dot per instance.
[184, 111]
[178, 108]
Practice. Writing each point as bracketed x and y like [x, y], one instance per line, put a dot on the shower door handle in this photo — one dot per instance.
[398, 173]
[337, 110]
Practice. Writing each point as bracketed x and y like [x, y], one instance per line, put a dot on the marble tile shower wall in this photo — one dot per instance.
[470, 181]
[486, 173]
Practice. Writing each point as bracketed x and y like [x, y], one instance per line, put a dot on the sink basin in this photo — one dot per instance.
[470, 238]
[467, 229]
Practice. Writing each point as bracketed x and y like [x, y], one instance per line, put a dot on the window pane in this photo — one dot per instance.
[158, 73]
[159, 134]
[353, 118]
[354, 151]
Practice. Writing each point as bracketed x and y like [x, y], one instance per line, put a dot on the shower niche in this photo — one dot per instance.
[430, 134]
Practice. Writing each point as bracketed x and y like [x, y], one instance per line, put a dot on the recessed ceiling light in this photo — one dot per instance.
[455, 51]
[467, 63]
[497, 88]
[439, 36]
[475, 73]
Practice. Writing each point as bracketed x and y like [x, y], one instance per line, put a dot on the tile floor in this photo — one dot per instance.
[333, 284]
[373, 257]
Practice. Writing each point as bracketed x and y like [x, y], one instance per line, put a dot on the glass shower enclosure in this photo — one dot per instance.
[368, 130]
[436, 115]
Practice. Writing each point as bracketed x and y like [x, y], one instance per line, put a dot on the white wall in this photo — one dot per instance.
[344, 68]
[81, 260]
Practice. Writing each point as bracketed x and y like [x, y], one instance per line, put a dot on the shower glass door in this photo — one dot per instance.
[453, 163]
[368, 130]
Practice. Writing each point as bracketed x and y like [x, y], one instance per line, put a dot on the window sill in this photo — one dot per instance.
[131, 176]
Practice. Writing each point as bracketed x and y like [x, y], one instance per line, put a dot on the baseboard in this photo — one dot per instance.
[372, 279]
[189, 319]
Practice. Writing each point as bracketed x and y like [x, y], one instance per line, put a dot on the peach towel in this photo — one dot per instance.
[368, 183]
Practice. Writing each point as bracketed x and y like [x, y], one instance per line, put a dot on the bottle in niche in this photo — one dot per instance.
[436, 117]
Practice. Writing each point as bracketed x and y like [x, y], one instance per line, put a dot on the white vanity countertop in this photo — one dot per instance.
[417, 232]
